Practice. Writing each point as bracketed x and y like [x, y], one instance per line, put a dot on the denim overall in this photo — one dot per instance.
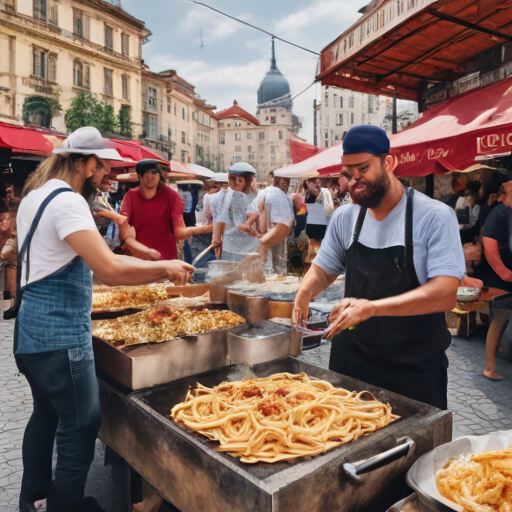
[53, 349]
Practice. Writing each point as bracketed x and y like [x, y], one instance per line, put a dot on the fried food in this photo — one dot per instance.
[162, 324]
[479, 482]
[127, 296]
[280, 417]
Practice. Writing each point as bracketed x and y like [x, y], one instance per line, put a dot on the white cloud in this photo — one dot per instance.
[215, 27]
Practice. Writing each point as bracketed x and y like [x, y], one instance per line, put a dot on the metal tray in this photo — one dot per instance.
[110, 313]
[151, 364]
[188, 471]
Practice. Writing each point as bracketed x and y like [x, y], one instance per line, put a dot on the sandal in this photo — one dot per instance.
[491, 375]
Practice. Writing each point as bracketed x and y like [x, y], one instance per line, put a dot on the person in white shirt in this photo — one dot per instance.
[52, 340]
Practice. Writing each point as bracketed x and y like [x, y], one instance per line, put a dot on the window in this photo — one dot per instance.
[175, 109]
[262, 136]
[326, 96]
[351, 102]
[80, 74]
[169, 132]
[339, 119]
[78, 23]
[352, 118]
[238, 136]
[237, 159]
[335, 100]
[249, 149]
[183, 157]
[238, 149]
[109, 37]
[151, 126]
[341, 101]
[249, 135]
[326, 119]
[52, 68]
[183, 138]
[125, 82]
[222, 138]
[326, 138]
[168, 105]
[272, 150]
[125, 44]
[251, 157]
[238, 123]
[280, 135]
[38, 63]
[370, 104]
[182, 113]
[39, 10]
[273, 119]
[152, 97]
[54, 14]
[109, 86]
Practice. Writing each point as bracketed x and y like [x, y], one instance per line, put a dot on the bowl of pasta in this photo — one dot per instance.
[470, 474]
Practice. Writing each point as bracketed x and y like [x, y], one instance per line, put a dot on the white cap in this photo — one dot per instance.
[241, 167]
[220, 177]
[88, 141]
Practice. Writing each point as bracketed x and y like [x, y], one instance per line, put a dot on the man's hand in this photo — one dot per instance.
[153, 255]
[300, 312]
[349, 313]
[178, 271]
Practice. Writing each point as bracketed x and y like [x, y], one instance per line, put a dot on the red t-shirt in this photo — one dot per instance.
[152, 218]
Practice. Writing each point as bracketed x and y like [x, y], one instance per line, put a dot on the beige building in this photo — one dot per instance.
[57, 48]
[177, 120]
[341, 109]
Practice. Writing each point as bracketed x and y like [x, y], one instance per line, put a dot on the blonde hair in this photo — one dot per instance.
[56, 166]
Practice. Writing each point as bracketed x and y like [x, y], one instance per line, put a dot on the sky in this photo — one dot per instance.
[234, 57]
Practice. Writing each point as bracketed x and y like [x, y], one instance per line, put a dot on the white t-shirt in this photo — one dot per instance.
[67, 213]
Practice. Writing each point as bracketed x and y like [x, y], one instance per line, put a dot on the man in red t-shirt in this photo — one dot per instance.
[156, 211]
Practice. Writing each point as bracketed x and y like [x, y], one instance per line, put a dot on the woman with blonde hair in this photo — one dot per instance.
[59, 246]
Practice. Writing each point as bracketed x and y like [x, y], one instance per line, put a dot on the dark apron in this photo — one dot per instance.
[403, 354]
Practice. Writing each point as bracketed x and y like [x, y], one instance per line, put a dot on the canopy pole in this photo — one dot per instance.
[394, 124]
[429, 185]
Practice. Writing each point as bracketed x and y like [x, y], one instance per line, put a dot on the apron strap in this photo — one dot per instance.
[359, 225]
[408, 253]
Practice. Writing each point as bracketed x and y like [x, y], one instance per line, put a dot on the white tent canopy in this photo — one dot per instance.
[192, 170]
[309, 168]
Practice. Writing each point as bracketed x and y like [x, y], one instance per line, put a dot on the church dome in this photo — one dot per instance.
[274, 87]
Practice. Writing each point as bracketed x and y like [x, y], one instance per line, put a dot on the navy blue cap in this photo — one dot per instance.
[366, 139]
[150, 164]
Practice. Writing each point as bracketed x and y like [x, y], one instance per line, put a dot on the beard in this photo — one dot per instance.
[374, 191]
[89, 191]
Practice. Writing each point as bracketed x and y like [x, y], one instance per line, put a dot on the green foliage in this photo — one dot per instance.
[87, 110]
[125, 121]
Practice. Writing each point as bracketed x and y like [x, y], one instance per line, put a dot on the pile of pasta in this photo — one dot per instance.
[479, 482]
[280, 417]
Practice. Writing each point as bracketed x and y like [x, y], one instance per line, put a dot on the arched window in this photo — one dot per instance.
[280, 135]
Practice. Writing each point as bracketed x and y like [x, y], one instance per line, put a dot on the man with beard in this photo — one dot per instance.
[390, 329]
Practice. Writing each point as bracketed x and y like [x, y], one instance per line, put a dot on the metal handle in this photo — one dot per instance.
[355, 469]
[201, 254]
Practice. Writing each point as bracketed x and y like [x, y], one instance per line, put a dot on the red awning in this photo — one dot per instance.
[471, 127]
[299, 151]
[133, 151]
[29, 140]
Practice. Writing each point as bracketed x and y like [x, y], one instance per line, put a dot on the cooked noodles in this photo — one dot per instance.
[281, 417]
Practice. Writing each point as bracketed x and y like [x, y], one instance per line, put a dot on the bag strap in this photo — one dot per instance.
[25, 248]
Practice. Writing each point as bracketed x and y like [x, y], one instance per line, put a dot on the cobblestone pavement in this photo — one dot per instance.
[479, 406]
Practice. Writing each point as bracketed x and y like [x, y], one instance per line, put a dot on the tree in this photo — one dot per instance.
[108, 119]
[125, 121]
[85, 110]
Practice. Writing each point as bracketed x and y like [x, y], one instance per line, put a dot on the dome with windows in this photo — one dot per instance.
[274, 90]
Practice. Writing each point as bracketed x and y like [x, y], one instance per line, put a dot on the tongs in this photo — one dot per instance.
[309, 332]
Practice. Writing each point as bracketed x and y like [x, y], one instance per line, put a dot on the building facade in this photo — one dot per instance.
[339, 110]
[54, 49]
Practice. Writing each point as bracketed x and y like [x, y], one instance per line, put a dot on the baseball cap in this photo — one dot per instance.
[87, 141]
[148, 164]
[220, 177]
[366, 139]
[241, 167]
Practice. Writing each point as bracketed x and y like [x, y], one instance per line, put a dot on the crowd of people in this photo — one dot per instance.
[360, 223]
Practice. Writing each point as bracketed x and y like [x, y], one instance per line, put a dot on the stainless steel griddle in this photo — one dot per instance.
[189, 472]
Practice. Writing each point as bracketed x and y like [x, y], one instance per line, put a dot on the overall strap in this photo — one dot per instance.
[408, 253]
[25, 248]
[359, 225]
